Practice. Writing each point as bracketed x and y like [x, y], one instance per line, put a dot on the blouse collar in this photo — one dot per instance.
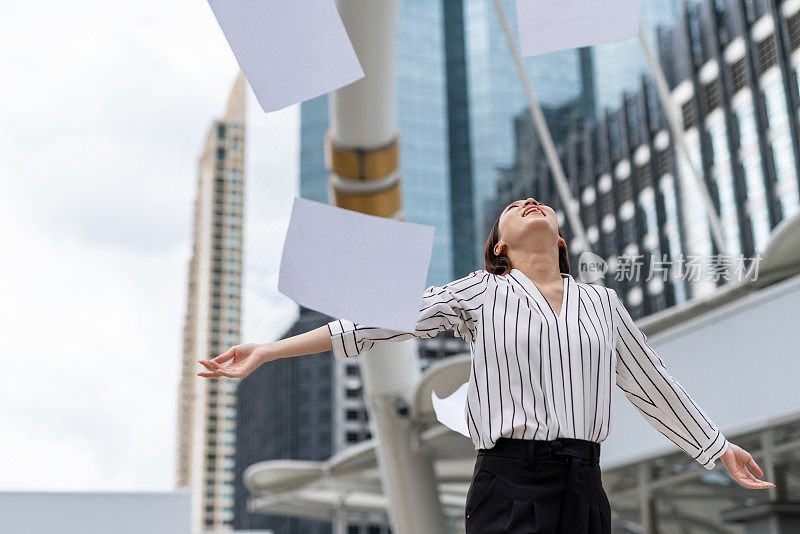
[532, 291]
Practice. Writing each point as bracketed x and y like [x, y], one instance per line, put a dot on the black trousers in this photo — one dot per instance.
[525, 486]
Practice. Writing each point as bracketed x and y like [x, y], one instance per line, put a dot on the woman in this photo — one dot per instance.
[546, 350]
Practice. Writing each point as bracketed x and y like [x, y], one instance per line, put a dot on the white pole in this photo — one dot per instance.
[362, 115]
[668, 107]
[539, 122]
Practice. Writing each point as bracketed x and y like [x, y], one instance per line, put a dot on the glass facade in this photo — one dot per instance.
[571, 81]
[730, 84]
[723, 174]
[423, 124]
[619, 66]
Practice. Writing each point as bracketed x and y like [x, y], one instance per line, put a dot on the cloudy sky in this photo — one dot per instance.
[103, 111]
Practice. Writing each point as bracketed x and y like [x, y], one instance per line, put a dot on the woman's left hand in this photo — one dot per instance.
[736, 460]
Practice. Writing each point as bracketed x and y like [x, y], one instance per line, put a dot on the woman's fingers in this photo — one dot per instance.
[216, 369]
[226, 372]
[207, 374]
[746, 479]
[752, 463]
[218, 373]
[760, 485]
[225, 356]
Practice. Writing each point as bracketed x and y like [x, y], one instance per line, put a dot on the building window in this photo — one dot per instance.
[645, 176]
[794, 30]
[766, 54]
[713, 97]
[607, 203]
[738, 75]
[625, 191]
[663, 162]
[689, 114]
[629, 230]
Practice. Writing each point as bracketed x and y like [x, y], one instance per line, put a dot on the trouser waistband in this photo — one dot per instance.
[537, 448]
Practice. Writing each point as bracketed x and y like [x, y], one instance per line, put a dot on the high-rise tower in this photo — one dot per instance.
[207, 407]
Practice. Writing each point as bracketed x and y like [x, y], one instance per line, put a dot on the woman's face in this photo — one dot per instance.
[522, 218]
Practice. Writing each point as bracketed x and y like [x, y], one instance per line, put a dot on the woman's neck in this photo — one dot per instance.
[541, 268]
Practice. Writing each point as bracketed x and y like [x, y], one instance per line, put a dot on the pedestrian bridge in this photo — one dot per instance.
[734, 351]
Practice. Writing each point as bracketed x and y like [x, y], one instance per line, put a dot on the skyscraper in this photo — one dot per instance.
[736, 90]
[618, 66]
[583, 79]
[207, 407]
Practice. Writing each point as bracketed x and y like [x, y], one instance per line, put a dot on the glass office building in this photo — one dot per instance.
[618, 66]
[576, 82]
[734, 78]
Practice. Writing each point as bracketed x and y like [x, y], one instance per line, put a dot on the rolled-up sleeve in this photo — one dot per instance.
[448, 307]
[661, 400]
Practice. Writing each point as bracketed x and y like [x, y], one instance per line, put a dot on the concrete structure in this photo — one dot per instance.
[207, 407]
[91, 512]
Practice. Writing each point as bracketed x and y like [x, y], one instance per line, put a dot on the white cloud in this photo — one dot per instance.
[103, 112]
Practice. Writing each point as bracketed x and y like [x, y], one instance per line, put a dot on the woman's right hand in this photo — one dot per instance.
[244, 359]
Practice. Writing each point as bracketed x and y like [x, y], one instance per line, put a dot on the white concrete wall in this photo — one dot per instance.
[740, 363]
[34, 512]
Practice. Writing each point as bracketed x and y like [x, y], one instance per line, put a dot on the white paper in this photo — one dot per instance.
[289, 51]
[451, 410]
[549, 25]
[349, 265]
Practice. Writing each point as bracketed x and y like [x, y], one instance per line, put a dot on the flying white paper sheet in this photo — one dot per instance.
[550, 25]
[289, 51]
[349, 265]
[451, 410]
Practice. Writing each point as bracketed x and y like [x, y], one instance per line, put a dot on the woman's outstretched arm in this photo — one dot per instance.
[248, 357]
[451, 306]
[663, 402]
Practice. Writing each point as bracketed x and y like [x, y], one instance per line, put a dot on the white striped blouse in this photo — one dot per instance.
[536, 374]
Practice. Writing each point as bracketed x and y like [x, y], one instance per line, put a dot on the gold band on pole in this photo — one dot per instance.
[383, 203]
[362, 164]
[365, 166]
